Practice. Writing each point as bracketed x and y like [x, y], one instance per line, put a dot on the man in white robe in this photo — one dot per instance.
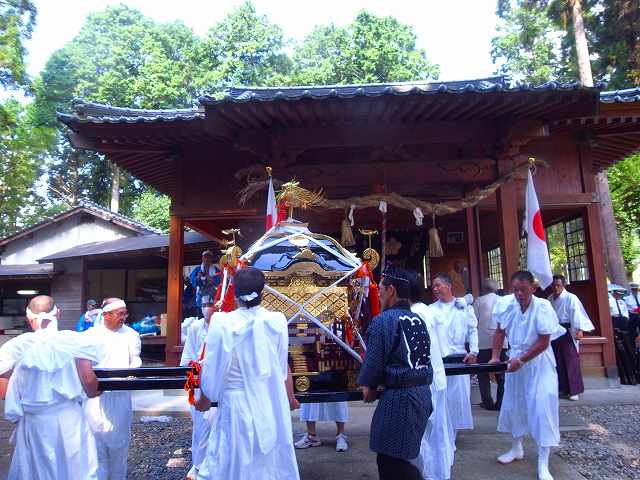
[201, 421]
[45, 376]
[437, 447]
[110, 415]
[245, 369]
[455, 325]
[530, 404]
[311, 413]
[573, 317]
[633, 306]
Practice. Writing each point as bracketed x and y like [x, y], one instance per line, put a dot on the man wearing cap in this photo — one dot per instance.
[573, 317]
[205, 278]
[45, 375]
[88, 318]
[110, 415]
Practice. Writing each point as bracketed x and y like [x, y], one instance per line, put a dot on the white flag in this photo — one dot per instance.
[537, 252]
[272, 207]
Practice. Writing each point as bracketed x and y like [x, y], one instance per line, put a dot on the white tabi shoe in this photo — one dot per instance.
[341, 443]
[193, 473]
[514, 454]
[574, 398]
[307, 441]
[543, 463]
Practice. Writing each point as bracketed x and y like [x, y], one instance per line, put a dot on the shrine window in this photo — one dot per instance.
[576, 250]
[494, 265]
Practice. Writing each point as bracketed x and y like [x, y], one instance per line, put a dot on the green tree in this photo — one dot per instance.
[22, 146]
[244, 48]
[152, 209]
[119, 57]
[370, 49]
[17, 19]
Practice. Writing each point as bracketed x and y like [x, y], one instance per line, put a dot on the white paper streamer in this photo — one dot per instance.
[417, 213]
[353, 207]
[383, 206]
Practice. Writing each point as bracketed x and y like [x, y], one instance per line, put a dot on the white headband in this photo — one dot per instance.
[52, 316]
[110, 307]
[248, 297]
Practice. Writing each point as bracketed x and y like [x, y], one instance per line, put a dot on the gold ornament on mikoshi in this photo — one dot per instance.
[302, 383]
[294, 196]
[233, 252]
[370, 255]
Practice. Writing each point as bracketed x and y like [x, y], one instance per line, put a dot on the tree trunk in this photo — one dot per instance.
[115, 188]
[582, 48]
[613, 254]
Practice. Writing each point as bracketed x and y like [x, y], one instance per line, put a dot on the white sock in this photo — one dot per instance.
[543, 463]
[515, 453]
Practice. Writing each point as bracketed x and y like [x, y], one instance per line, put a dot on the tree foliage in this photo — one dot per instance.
[152, 209]
[121, 57]
[21, 148]
[370, 49]
[17, 19]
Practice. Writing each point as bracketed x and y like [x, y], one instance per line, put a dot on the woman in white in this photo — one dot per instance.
[244, 370]
[437, 448]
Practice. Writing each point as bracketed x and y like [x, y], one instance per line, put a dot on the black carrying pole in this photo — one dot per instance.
[167, 378]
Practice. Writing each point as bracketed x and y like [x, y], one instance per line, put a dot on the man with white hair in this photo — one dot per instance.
[483, 307]
[110, 415]
[45, 376]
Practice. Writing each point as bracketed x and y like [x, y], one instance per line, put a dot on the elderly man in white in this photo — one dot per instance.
[45, 375]
[193, 351]
[110, 415]
[530, 404]
[455, 326]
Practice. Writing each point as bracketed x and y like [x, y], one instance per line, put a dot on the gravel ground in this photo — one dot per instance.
[610, 448]
[160, 451]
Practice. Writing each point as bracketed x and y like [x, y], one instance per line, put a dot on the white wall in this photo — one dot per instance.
[59, 236]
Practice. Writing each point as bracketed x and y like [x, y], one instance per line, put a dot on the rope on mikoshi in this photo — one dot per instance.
[393, 199]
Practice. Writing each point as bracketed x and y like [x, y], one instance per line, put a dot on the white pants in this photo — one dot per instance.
[112, 462]
[53, 444]
[200, 430]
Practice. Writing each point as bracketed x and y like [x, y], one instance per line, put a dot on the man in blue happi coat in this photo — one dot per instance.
[398, 358]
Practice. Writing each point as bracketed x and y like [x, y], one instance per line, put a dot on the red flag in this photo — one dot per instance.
[537, 252]
[272, 207]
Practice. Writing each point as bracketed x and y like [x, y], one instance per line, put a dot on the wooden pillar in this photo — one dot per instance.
[473, 255]
[595, 260]
[175, 287]
[509, 231]
[599, 281]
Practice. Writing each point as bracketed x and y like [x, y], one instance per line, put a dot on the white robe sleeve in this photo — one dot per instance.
[578, 316]
[283, 349]
[189, 353]
[135, 348]
[11, 352]
[546, 320]
[472, 331]
[216, 360]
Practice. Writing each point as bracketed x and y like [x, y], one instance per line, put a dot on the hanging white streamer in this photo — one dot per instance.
[353, 207]
[417, 213]
[383, 206]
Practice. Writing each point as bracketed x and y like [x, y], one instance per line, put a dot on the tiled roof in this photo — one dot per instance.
[89, 112]
[33, 270]
[621, 96]
[129, 244]
[93, 209]
[483, 85]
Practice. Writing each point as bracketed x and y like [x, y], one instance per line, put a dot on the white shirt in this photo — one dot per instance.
[613, 309]
[632, 301]
[524, 328]
[456, 324]
[483, 308]
[570, 311]
[123, 346]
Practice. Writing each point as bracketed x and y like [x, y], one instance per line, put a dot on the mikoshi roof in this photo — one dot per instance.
[147, 142]
[85, 206]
